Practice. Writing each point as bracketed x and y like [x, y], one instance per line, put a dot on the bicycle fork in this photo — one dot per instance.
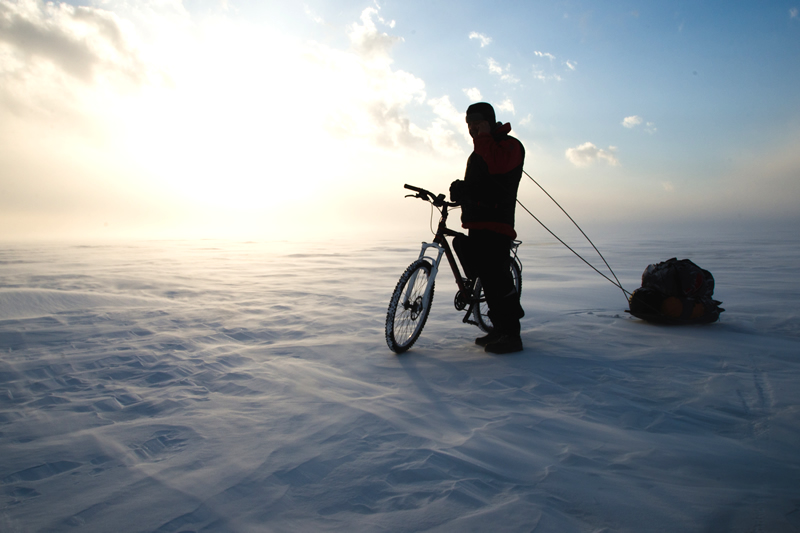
[434, 262]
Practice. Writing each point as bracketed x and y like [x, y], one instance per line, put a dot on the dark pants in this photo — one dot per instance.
[486, 255]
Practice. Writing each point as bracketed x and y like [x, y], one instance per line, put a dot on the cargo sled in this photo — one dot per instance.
[676, 291]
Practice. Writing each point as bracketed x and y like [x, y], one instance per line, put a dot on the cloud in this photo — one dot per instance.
[97, 132]
[543, 76]
[506, 105]
[587, 154]
[793, 13]
[366, 98]
[53, 56]
[443, 108]
[367, 39]
[82, 42]
[632, 121]
[635, 120]
[68, 66]
[474, 94]
[440, 134]
[526, 120]
[496, 68]
[483, 39]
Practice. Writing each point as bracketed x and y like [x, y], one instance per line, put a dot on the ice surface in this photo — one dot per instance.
[219, 386]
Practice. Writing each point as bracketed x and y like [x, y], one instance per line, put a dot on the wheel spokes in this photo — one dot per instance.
[413, 307]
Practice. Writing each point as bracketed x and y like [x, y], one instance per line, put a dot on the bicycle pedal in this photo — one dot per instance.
[468, 314]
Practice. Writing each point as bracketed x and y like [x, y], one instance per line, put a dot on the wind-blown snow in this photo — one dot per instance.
[215, 386]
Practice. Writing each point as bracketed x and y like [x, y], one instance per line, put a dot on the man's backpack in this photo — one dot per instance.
[676, 292]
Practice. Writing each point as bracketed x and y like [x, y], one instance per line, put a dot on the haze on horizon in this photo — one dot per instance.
[244, 120]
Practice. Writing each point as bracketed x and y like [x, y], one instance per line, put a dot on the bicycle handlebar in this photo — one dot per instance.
[428, 196]
[412, 188]
[422, 193]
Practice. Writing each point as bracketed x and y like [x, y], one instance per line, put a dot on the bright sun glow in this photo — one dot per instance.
[270, 131]
[241, 137]
[220, 126]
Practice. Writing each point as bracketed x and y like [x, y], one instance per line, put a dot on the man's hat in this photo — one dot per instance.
[481, 111]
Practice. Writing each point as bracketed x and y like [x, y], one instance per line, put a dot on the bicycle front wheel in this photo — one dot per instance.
[481, 309]
[408, 309]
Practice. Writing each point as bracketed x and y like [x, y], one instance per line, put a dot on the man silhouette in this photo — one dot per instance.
[488, 197]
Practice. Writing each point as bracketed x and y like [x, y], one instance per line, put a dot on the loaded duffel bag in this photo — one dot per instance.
[675, 291]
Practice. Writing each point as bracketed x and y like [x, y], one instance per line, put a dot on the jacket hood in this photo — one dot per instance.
[502, 129]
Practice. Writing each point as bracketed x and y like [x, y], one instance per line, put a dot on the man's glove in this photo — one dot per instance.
[458, 191]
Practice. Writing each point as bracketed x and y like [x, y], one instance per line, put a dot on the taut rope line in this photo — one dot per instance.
[614, 281]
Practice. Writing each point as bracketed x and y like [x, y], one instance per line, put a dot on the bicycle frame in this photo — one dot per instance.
[442, 247]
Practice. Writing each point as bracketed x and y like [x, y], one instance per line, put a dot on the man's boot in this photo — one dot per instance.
[488, 338]
[505, 344]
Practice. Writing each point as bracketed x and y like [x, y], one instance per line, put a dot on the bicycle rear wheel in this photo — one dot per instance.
[481, 309]
[408, 310]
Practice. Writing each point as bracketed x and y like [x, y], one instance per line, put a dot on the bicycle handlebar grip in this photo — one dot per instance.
[421, 193]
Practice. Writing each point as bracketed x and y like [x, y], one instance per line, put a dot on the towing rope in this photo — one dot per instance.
[614, 281]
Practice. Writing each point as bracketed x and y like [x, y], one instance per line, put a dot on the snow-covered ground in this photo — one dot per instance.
[217, 386]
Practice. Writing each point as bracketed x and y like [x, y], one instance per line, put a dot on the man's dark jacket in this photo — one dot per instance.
[488, 192]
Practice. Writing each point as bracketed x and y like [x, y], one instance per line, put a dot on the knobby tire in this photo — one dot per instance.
[405, 319]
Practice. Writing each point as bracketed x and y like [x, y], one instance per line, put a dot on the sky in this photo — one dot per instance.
[285, 119]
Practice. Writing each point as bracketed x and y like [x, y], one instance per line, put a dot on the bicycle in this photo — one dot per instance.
[412, 297]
